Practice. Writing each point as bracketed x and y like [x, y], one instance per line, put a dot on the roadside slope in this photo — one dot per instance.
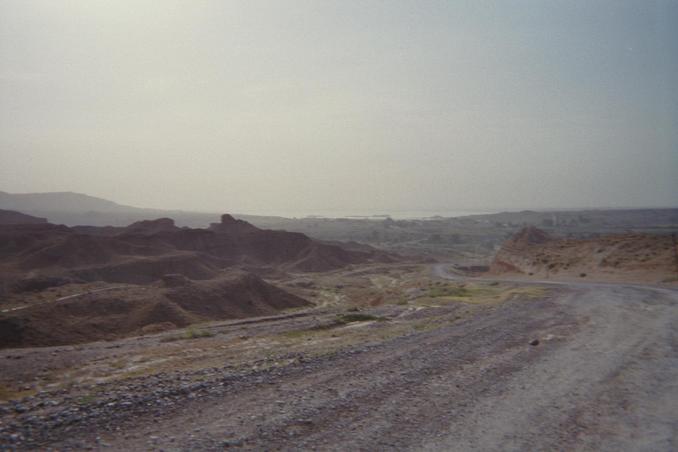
[620, 257]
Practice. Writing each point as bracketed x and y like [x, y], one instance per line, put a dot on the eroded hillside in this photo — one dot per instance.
[629, 257]
[150, 276]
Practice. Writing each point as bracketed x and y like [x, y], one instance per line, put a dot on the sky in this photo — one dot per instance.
[311, 105]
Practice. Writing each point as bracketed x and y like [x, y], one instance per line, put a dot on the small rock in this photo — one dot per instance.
[20, 408]
[534, 342]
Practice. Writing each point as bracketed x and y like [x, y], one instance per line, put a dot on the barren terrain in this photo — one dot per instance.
[471, 239]
[439, 364]
[649, 258]
[154, 337]
[61, 285]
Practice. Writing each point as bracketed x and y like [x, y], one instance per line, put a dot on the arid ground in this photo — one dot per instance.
[159, 337]
[393, 357]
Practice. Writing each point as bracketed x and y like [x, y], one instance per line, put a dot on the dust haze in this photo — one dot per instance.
[260, 107]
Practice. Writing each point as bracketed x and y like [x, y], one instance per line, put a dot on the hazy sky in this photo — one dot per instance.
[259, 106]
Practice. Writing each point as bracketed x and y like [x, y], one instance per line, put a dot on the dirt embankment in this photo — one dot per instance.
[132, 310]
[632, 257]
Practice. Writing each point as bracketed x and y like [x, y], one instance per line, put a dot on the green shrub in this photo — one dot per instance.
[350, 318]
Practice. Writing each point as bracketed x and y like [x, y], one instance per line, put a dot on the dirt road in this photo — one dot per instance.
[603, 376]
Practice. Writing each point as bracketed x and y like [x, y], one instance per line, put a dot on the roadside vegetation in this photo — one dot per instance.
[189, 333]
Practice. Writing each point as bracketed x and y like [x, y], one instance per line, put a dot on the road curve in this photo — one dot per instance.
[611, 386]
[604, 376]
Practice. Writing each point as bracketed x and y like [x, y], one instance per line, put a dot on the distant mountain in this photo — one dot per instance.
[59, 201]
[12, 217]
[74, 209]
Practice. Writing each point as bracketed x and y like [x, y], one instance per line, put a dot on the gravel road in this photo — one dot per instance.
[603, 376]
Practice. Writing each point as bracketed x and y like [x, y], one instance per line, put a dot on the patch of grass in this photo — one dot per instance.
[448, 291]
[482, 295]
[426, 326]
[6, 393]
[457, 293]
[190, 333]
[117, 364]
[341, 320]
[357, 317]
[86, 399]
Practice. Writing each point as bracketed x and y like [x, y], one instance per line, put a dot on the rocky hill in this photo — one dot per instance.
[173, 302]
[148, 276]
[145, 251]
[633, 257]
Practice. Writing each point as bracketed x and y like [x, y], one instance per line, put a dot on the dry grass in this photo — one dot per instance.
[189, 333]
[478, 294]
[7, 393]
